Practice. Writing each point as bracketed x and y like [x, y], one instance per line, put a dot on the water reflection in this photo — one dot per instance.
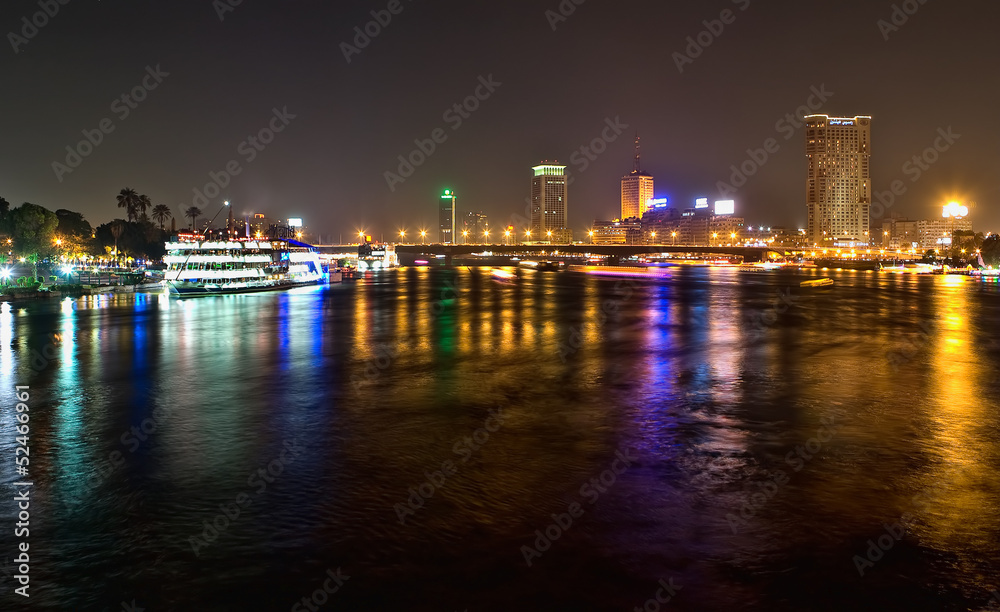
[377, 382]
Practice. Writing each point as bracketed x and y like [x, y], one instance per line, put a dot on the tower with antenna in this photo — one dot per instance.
[637, 187]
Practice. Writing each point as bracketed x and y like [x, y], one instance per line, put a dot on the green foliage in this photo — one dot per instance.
[137, 239]
[991, 251]
[33, 229]
[72, 224]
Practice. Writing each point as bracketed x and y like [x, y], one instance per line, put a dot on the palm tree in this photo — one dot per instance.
[129, 200]
[192, 213]
[116, 231]
[161, 212]
[141, 206]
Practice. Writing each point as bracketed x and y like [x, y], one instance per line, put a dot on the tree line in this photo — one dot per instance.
[35, 233]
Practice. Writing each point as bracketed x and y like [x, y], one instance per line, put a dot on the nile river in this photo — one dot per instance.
[436, 440]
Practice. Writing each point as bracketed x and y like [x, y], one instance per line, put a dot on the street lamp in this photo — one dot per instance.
[402, 236]
[527, 235]
[591, 234]
[653, 234]
[673, 236]
[423, 234]
[486, 236]
[506, 237]
[465, 236]
[549, 235]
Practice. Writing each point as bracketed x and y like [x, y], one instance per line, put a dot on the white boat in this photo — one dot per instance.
[201, 268]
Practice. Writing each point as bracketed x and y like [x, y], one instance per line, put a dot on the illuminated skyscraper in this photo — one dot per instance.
[447, 209]
[839, 188]
[637, 188]
[549, 200]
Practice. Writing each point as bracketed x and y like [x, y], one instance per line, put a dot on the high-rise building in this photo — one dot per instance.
[838, 187]
[474, 225]
[447, 209]
[637, 188]
[549, 201]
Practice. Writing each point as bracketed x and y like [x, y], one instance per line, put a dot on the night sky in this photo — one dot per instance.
[557, 90]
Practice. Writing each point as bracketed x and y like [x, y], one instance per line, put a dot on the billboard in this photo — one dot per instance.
[725, 207]
[701, 203]
[295, 223]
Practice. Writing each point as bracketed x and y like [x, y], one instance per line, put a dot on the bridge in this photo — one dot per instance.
[609, 251]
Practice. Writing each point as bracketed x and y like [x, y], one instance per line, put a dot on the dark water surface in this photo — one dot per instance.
[697, 391]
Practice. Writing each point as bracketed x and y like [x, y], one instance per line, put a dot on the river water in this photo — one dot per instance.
[439, 440]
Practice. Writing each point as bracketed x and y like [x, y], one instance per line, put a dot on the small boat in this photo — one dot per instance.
[503, 276]
[818, 282]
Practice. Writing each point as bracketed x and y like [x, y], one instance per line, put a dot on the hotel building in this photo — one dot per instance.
[549, 202]
[838, 187]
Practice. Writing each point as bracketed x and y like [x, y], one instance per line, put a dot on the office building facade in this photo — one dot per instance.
[549, 203]
[838, 185]
[447, 211]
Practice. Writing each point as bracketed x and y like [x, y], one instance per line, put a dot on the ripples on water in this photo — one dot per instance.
[709, 380]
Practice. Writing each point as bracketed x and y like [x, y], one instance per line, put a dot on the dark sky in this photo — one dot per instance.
[557, 88]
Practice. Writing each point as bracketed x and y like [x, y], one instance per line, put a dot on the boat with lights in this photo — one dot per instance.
[376, 256]
[202, 268]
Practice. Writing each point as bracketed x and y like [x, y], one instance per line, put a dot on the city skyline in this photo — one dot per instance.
[342, 127]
